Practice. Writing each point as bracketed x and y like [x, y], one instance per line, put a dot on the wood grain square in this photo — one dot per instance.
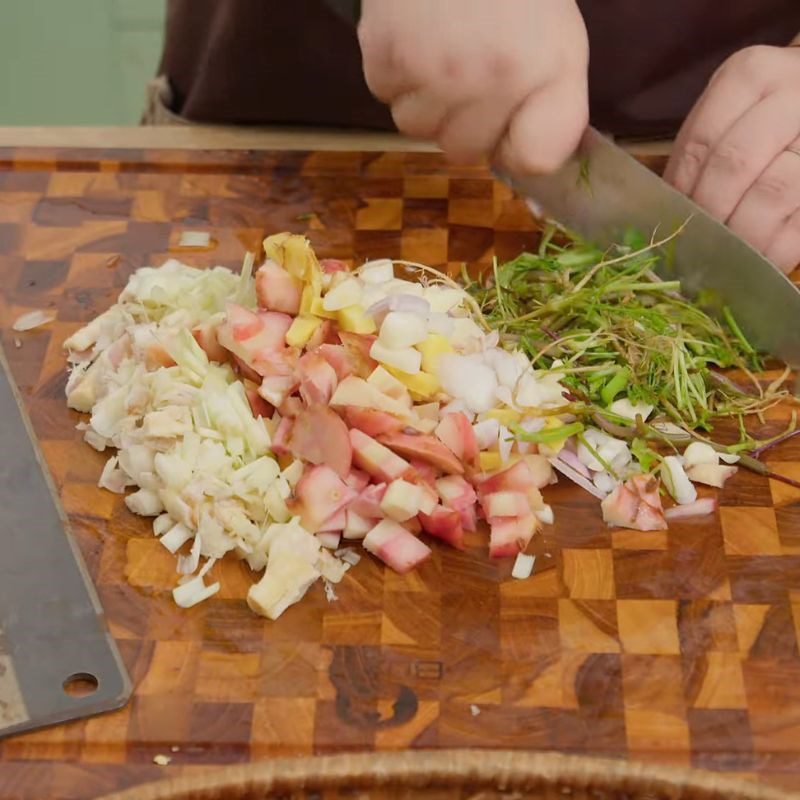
[783, 494]
[648, 626]
[653, 729]
[148, 564]
[588, 574]
[588, 626]
[750, 531]
[653, 682]
[538, 683]
[639, 540]
[380, 214]
[426, 186]
[282, 725]
[475, 212]
[228, 677]
[720, 738]
[425, 245]
[84, 499]
[644, 573]
[529, 628]
[721, 684]
[411, 619]
[788, 520]
[420, 730]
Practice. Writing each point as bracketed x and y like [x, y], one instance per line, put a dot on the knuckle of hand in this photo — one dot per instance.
[750, 62]
[729, 159]
[772, 187]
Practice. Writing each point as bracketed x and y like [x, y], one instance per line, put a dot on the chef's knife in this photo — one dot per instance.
[603, 191]
[57, 659]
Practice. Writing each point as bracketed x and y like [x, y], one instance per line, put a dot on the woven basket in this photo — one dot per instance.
[446, 774]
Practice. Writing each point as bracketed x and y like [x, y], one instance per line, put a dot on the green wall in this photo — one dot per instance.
[77, 62]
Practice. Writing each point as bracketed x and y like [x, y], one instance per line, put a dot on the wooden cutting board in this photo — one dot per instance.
[679, 647]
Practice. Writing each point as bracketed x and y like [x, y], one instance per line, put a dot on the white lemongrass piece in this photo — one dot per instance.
[401, 329]
[624, 408]
[699, 453]
[523, 566]
[176, 537]
[545, 515]
[378, 271]
[193, 592]
[575, 476]
[604, 482]
[677, 481]
[505, 441]
[407, 359]
[194, 239]
[700, 508]
[729, 458]
[33, 319]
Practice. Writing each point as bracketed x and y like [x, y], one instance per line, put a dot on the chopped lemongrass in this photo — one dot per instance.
[523, 566]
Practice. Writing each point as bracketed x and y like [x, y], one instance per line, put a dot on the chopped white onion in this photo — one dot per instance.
[523, 566]
[33, 319]
[194, 239]
[193, 592]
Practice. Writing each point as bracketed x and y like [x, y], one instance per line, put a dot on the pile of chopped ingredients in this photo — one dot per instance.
[286, 414]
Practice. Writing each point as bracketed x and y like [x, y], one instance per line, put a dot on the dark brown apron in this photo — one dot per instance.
[297, 62]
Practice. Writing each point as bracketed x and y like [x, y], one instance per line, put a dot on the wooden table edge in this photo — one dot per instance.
[220, 137]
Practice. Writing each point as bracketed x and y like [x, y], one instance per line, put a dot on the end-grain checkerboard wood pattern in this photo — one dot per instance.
[678, 647]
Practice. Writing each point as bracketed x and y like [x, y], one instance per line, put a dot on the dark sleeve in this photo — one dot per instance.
[349, 10]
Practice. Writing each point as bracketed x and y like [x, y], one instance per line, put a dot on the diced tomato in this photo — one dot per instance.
[258, 405]
[243, 323]
[321, 493]
[505, 504]
[280, 440]
[275, 389]
[319, 436]
[510, 535]
[376, 459]
[445, 524]
[277, 290]
[356, 479]
[455, 432]
[456, 492]
[243, 369]
[372, 422]
[291, 407]
[205, 334]
[469, 518]
[368, 502]
[358, 346]
[333, 265]
[426, 472]
[335, 523]
[517, 478]
[338, 358]
[424, 448]
[395, 546]
[317, 379]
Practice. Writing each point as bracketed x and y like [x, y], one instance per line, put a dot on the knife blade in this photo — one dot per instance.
[603, 191]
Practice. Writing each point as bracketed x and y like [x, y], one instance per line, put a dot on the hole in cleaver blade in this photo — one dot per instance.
[57, 659]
